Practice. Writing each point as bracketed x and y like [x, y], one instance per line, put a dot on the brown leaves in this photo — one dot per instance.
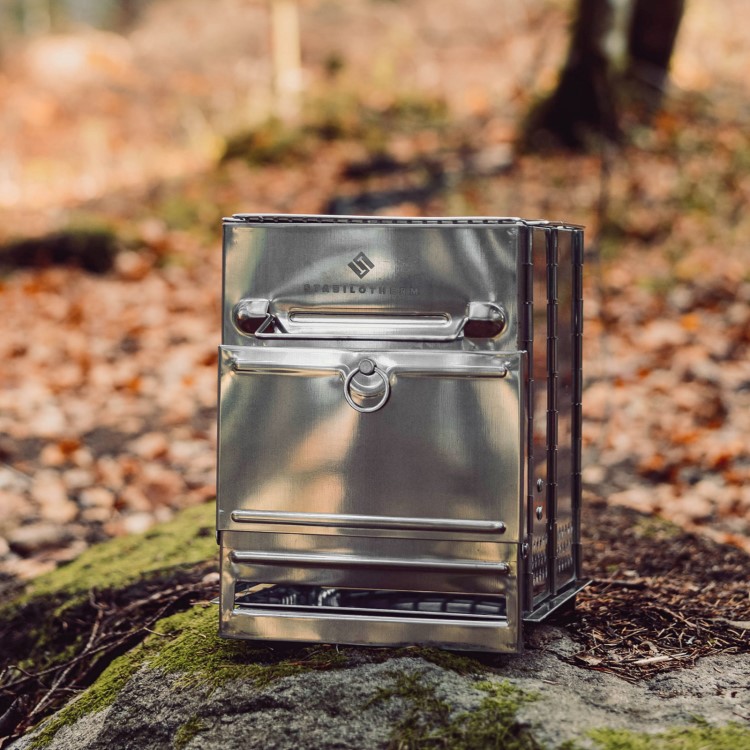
[660, 598]
[679, 415]
[104, 380]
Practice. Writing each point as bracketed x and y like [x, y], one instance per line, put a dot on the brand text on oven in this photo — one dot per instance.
[404, 291]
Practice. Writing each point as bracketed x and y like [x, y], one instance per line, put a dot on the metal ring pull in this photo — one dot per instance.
[367, 367]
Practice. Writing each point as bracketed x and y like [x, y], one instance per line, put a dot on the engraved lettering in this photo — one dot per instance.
[395, 291]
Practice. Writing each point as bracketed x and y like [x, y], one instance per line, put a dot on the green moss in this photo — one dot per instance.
[463, 665]
[653, 527]
[699, 736]
[190, 646]
[460, 664]
[493, 724]
[85, 222]
[180, 633]
[98, 697]
[46, 625]
[187, 731]
[425, 717]
[271, 142]
[429, 723]
[339, 115]
[185, 540]
[189, 210]
[187, 644]
[659, 285]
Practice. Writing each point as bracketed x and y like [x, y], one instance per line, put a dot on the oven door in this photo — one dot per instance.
[378, 443]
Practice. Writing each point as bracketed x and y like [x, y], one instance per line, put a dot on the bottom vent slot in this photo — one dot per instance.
[368, 602]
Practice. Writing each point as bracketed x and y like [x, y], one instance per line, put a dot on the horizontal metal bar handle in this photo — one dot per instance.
[396, 319]
[253, 317]
[349, 561]
[368, 522]
[257, 367]
[415, 335]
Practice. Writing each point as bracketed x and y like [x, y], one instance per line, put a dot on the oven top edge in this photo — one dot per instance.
[249, 218]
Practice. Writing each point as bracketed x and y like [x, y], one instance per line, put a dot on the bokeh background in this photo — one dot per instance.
[128, 128]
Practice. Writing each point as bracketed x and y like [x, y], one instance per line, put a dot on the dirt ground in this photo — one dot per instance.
[108, 397]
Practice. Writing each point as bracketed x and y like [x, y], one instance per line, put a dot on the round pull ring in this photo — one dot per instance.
[367, 367]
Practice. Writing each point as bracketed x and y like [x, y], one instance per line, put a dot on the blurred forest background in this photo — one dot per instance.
[128, 128]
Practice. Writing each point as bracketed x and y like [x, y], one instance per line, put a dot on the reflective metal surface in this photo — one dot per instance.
[389, 400]
[422, 283]
[445, 444]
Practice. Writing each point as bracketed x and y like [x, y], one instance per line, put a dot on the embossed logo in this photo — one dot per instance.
[361, 265]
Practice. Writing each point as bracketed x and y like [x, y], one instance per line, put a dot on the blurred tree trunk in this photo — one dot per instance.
[651, 39]
[128, 12]
[286, 58]
[593, 84]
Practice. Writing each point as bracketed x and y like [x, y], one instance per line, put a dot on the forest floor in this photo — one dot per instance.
[112, 158]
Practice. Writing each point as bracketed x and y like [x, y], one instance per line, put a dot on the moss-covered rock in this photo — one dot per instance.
[187, 645]
[430, 721]
[700, 735]
[65, 627]
[186, 540]
[317, 697]
[187, 731]
[185, 688]
[176, 684]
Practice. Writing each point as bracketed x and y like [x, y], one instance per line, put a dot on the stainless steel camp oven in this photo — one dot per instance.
[399, 428]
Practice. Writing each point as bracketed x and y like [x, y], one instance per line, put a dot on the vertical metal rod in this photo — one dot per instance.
[552, 407]
[526, 341]
[577, 428]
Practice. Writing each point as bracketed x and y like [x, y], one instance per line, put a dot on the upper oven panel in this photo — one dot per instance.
[455, 285]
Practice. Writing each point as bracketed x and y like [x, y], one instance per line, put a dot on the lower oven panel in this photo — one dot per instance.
[466, 597]
[443, 454]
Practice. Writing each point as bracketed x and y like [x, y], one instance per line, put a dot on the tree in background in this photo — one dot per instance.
[596, 84]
